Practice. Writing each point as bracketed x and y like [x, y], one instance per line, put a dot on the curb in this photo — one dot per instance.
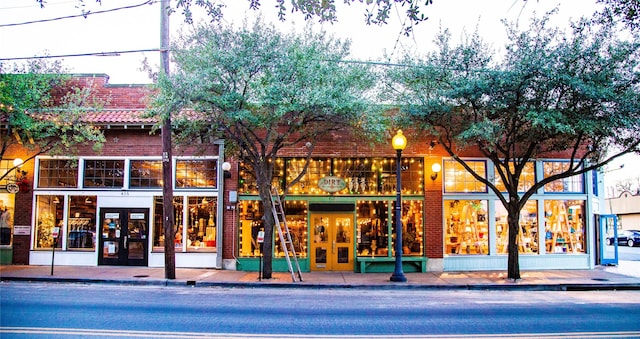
[424, 287]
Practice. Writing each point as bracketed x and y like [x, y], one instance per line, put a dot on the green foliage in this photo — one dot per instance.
[575, 94]
[43, 112]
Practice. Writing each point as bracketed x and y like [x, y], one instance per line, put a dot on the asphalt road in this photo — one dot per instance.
[48, 310]
[629, 253]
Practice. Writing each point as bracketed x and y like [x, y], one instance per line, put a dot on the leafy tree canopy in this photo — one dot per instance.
[576, 95]
[43, 111]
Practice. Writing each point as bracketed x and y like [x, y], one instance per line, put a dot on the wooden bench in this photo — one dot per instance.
[420, 263]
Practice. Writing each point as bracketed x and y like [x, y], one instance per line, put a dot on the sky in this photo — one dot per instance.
[138, 28]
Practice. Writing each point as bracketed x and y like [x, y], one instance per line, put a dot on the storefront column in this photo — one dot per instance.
[433, 212]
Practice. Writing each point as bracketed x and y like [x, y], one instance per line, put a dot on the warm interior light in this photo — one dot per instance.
[226, 166]
[436, 169]
[399, 142]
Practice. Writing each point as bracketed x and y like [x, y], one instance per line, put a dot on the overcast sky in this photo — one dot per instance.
[139, 29]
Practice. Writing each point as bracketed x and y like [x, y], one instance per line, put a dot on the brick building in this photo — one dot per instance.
[108, 205]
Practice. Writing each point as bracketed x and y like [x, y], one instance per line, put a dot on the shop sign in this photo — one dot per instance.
[332, 184]
[21, 230]
[13, 188]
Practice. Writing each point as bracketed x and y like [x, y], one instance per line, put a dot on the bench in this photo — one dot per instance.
[418, 263]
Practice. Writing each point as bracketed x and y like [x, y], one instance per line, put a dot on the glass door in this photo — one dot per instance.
[332, 242]
[608, 239]
[123, 237]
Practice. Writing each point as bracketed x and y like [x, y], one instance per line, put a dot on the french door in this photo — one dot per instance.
[332, 242]
[124, 237]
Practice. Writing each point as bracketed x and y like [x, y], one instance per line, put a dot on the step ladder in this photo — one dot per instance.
[284, 234]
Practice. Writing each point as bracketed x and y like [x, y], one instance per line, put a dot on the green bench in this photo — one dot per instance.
[419, 263]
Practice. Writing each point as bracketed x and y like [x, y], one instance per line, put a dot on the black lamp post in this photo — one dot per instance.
[399, 142]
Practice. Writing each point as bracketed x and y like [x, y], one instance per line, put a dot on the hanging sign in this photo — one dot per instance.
[13, 188]
[260, 237]
[332, 184]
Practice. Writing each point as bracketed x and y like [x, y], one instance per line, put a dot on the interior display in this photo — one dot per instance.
[6, 219]
[564, 226]
[528, 232]
[199, 233]
[81, 223]
[372, 234]
[466, 228]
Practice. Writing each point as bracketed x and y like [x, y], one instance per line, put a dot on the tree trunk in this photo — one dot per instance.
[513, 266]
[263, 180]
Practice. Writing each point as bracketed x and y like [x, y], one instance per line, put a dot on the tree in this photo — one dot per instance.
[44, 111]
[261, 91]
[627, 11]
[551, 94]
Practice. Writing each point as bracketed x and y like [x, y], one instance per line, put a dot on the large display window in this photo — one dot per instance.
[372, 234]
[195, 224]
[81, 228]
[6, 219]
[564, 226]
[466, 227]
[49, 214]
[528, 231]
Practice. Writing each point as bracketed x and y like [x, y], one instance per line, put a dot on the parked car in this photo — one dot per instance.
[630, 238]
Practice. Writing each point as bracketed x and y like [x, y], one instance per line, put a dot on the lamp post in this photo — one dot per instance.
[399, 142]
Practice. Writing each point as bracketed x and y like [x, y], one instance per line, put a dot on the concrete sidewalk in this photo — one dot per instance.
[625, 276]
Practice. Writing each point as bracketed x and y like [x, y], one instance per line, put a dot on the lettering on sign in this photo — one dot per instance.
[332, 184]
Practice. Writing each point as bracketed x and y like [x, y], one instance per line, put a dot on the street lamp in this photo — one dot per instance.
[399, 142]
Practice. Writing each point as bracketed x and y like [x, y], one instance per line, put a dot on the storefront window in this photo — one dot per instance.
[145, 174]
[158, 227]
[247, 181]
[6, 218]
[200, 233]
[296, 212]
[57, 173]
[564, 226]
[49, 214]
[458, 180]
[573, 184]
[412, 243]
[251, 213]
[318, 168]
[372, 233]
[526, 181]
[196, 173]
[466, 228]
[82, 223]
[103, 173]
[528, 233]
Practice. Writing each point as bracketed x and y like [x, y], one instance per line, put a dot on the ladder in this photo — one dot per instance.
[284, 234]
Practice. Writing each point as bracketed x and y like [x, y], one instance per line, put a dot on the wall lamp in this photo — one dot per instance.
[226, 167]
[435, 168]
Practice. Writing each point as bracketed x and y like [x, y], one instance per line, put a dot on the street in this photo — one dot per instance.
[53, 310]
[629, 253]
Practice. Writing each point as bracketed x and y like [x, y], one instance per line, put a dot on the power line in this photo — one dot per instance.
[113, 53]
[84, 14]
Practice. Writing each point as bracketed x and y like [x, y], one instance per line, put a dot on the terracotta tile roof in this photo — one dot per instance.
[118, 117]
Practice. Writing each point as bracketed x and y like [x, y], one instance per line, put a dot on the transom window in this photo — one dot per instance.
[103, 173]
[458, 180]
[146, 174]
[58, 173]
[573, 184]
[196, 173]
[526, 181]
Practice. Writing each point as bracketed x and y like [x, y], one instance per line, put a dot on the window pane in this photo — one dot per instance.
[528, 233]
[296, 212]
[526, 181]
[200, 233]
[412, 243]
[250, 224]
[104, 173]
[571, 184]
[82, 227]
[466, 229]
[158, 227]
[57, 173]
[564, 226]
[196, 173]
[373, 228]
[49, 214]
[318, 168]
[145, 174]
[458, 180]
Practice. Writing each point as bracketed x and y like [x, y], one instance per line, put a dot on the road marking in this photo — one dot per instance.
[195, 335]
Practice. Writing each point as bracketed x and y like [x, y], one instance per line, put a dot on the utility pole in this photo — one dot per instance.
[167, 165]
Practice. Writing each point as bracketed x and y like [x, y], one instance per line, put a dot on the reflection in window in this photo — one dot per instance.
[49, 214]
[458, 180]
[528, 233]
[564, 226]
[196, 173]
[103, 173]
[81, 223]
[571, 184]
[57, 173]
[526, 181]
[466, 228]
[145, 174]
